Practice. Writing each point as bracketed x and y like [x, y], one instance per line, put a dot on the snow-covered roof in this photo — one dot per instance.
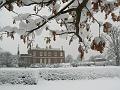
[38, 48]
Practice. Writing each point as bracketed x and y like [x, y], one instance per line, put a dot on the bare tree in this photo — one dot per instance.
[78, 58]
[5, 58]
[69, 59]
[114, 45]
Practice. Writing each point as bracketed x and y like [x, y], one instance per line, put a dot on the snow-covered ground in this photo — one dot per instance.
[97, 84]
[31, 75]
[81, 78]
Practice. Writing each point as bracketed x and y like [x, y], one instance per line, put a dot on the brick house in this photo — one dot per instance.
[42, 56]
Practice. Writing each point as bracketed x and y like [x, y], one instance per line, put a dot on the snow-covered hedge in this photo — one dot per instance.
[32, 75]
[79, 73]
[18, 76]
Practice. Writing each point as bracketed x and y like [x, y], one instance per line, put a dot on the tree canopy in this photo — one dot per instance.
[73, 16]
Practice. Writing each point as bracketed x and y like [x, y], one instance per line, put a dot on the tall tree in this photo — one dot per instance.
[78, 58]
[113, 51]
[5, 58]
[74, 16]
[69, 59]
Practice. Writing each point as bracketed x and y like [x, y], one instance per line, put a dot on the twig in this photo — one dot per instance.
[94, 19]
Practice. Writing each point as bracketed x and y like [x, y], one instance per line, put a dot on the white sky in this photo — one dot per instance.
[11, 45]
[6, 18]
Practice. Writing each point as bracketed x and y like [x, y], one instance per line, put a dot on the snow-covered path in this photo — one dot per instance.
[97, 84]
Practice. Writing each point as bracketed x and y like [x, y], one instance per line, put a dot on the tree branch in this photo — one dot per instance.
[78, 16]
[52, 17]
[65, 33]
[94, 19]
[47, 3]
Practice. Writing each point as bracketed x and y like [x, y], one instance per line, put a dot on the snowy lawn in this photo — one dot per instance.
[97, 84]
[82, 78]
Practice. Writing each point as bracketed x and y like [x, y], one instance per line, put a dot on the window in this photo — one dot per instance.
[55, 53]
[45, 61]
[55, 60]
[41, 53]
[40, 61]
[61, 60]
[49, 53]
[45, 53]
[49, 61]
[34, 60]
[61, 53]
[34, 53]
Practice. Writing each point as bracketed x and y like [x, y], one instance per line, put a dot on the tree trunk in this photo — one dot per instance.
[117, 61]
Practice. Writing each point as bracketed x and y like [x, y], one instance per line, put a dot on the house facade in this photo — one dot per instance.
[42, 56]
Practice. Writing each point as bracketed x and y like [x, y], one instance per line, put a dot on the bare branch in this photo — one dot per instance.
[52, 17]
[78, 16]
[94, 19]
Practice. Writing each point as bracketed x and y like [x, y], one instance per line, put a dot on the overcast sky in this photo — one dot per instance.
[6, 18]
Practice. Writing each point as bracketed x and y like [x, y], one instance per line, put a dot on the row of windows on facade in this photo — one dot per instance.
[48, 53]
[45, 61]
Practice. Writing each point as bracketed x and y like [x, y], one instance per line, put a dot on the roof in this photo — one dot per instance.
[46, 49]
[25, 55]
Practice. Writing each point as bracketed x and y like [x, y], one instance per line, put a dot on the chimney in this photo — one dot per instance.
[37, 46]
[46, 47]
[50, 47]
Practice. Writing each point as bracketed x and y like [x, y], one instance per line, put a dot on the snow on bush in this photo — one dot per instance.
[18, 76]
[79, 73]
[30, 76]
